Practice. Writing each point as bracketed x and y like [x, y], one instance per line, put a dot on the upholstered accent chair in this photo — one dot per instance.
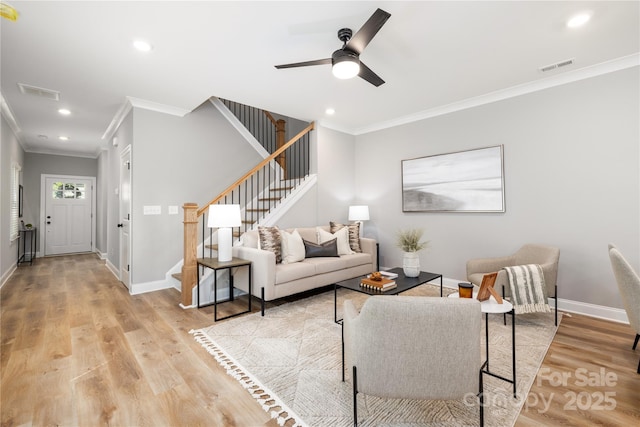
[629, 286]
[410, 347]
[545, 256]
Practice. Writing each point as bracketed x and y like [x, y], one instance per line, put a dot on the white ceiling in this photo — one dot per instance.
[431, 54]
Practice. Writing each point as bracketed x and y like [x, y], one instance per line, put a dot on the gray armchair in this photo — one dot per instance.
[545, 256]
[413, 348]
[629, 285]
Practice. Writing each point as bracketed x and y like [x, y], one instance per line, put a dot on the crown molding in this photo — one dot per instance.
[131, 102]
[160, 108]
[8, 115]
[117, 120]
[523, 89]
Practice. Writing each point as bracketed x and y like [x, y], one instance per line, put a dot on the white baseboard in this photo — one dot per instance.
[593, 310]
[7, 275]
[141, 288]
[112, 268]
[102, 255]
[570, 306]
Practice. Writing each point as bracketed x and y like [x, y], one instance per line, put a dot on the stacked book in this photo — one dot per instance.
[379, 285]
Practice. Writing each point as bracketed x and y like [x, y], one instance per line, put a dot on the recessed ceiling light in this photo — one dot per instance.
[330, 111]
[63, 138]
[64, 111]
[142, 45]
[579, 20]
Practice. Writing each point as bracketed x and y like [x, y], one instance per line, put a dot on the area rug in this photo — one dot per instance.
[290, 361]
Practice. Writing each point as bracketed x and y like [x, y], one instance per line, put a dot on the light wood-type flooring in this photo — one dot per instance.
[77, 350]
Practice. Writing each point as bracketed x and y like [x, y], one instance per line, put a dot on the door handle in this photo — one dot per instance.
[120, 225]
[48, 216]
[48, 222]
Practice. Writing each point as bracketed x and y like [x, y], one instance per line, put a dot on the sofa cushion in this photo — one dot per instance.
[298, 270]
[354, 234]
[327, 265]
[326, 249]
[270, 241]
[292, 247]
[342, 237]
[356, 259]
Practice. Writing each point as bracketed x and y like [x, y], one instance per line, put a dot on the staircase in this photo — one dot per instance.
[261, 193]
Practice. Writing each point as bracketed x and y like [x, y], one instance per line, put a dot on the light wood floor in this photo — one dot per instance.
[77, 350]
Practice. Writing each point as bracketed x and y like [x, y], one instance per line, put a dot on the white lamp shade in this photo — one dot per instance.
[358, 213]
[224, 216]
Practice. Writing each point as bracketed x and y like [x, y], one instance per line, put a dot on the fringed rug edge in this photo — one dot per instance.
[254, 387]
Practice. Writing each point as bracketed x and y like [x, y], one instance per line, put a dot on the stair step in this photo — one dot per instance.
[267, 199]
[281, 189]
[214, 247]
[177, 276]
[258, 210]
[248, 222]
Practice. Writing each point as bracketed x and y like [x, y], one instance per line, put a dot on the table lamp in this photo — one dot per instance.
[223, 217]
[359, 214]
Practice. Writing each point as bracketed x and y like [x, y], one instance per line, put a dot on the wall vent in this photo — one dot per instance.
[39, 91]
[560, 64]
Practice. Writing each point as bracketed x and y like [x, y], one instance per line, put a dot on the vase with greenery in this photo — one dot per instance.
[410, 243]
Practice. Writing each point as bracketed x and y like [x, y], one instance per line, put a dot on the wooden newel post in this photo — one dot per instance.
[189, 272]
[280, 136]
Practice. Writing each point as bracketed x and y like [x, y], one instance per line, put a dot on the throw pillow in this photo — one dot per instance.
[270, 241]
[342, 237]
[292, 247]
[354, 234]
[326, 249]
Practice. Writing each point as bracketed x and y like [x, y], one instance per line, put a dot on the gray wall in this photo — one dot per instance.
[10, 152]
[336, 174]
[571, 161]
[177, 160]
[35, 165]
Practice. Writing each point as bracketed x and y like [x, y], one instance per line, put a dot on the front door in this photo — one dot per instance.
[68, 222]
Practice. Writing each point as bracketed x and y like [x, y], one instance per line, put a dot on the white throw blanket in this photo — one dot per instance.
[528, 290]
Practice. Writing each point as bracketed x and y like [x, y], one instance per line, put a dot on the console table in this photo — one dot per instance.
[216, 265]
[24, 236]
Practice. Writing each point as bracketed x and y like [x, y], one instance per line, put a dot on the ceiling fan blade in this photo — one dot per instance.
[370, 28]
[370, 76]
[305, 64]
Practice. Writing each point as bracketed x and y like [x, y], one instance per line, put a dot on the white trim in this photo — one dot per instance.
[141, 288]
[502, 94]
[62, 153]
[160, 108]
[102, 255]
[592, 310]
[8, 115]
[238, 126]
[117, 120]
[94, 213]
[7, 275]
[112, 268]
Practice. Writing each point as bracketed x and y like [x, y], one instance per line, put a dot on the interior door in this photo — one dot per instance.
[125, 216]
[68, 215]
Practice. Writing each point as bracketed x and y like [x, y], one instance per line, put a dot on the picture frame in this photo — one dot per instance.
[462, 181]
[20, 201]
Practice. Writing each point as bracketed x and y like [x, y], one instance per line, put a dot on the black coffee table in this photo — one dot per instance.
[403, 284]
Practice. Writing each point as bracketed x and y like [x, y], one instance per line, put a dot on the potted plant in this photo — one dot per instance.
[410, 243]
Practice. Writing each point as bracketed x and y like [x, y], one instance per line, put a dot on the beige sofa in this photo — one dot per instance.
[272, 281]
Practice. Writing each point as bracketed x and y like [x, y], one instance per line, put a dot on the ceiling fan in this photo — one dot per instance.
[345, 61]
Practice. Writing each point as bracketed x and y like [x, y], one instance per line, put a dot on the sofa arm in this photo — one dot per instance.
[369, 246]
[263, 265]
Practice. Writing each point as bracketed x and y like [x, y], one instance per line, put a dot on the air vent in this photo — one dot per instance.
[556, 65]
[39, 91]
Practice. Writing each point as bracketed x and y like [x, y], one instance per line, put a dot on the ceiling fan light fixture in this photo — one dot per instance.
[345, 64]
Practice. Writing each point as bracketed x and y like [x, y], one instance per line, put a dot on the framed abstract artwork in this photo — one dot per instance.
[464, 181]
